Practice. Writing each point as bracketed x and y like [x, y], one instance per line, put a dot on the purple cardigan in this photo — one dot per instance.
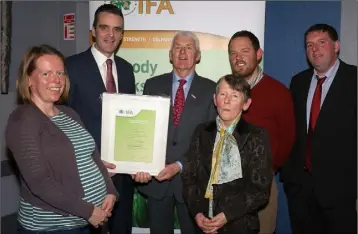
[47, 162]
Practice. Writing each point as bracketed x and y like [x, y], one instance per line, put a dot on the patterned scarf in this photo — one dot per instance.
[257, 79]
[226, 160]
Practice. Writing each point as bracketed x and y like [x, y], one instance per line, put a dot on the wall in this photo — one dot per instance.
[34, 22]
[349, 30]
[40, 22]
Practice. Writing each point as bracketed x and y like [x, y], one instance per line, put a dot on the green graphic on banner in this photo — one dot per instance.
[152, 62]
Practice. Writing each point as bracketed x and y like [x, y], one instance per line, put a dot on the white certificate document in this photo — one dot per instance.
[134, 132]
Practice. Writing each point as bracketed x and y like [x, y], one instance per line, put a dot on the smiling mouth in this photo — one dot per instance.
[54, 89]
[240, 64]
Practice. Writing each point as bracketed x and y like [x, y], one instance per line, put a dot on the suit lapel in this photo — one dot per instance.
[120, 74]
[306, 82]
[191, 100]
[332, 94]
[241, 133]
[209, 142]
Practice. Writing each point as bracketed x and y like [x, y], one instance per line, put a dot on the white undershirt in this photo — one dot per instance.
[102, 66]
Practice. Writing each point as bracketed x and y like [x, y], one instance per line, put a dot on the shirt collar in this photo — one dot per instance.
[188, 79]
[331, 72]
[99, 57]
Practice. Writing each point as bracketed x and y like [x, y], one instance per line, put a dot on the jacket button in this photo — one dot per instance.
[174, 143]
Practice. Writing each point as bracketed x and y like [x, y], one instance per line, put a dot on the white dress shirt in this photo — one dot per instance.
[102, 66]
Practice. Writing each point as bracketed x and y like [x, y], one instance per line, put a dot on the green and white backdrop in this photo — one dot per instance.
[149, 28]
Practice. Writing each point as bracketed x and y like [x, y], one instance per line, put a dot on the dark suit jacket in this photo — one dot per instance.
[199, 108]
[334, 141]
[47, 162]
[87, 87]
[241, 199]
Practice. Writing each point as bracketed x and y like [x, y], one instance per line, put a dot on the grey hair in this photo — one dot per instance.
[187, 33]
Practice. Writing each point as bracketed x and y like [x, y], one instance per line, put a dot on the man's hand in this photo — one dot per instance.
[108, 204]
[202, 221]
[168, 172]
[216, 223]
[142, 177]
[109, 166]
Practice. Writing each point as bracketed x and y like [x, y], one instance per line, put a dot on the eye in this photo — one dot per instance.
[103, 27]
[45, 74]
[60, 74]
[118, 29]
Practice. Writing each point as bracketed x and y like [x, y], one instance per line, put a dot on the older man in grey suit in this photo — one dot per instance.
[191, 97]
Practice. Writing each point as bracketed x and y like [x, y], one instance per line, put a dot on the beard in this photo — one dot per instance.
[246, 74]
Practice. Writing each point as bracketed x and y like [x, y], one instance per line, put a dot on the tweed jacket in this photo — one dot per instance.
[47, 162]
[241, 199]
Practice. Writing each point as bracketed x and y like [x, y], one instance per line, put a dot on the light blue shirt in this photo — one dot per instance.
[186, 87]
[330, 74]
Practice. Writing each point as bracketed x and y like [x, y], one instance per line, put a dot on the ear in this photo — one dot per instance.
[29, 81]
[93, 32]
[337, 46]
[247, 104]
[198, 56]
[170, 56]
[214, 99]
[259, 54]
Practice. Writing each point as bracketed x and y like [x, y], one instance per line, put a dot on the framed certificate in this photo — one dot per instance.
[134, 132]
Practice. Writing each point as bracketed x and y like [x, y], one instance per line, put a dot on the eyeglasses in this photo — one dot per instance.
[48, 74]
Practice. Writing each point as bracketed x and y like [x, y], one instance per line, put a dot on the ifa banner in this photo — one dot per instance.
[149, 28]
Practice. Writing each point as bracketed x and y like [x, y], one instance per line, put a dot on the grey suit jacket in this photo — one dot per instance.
[198, 108]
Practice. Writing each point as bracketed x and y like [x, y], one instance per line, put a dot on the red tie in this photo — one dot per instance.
[315, 108]
[110, 84]
[179, 102]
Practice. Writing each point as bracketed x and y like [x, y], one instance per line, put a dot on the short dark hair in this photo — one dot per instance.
[332, 33]
[109, 8]
[244, 33]
[236, 83]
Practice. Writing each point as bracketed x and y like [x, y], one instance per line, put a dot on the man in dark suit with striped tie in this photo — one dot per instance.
[93, 72]
[191, 97]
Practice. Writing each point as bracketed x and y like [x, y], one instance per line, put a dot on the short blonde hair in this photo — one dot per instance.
[28, 65]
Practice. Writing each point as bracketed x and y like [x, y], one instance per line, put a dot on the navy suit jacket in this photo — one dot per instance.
[334, 141]
[199, 107]
[86, 88]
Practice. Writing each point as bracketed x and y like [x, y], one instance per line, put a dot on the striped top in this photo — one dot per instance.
[37, 219]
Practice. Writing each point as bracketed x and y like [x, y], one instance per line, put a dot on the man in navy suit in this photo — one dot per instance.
[320, 177]
[93, 72]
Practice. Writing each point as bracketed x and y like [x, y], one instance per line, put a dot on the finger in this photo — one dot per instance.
[109, 165]
[163, 172]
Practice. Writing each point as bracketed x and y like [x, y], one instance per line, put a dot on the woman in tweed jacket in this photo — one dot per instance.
[227, 171]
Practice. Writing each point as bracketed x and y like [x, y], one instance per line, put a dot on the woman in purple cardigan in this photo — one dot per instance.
[64, 185]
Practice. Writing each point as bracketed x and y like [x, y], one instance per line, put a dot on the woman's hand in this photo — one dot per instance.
[216, 223]
[202, 221]
[108, 204]
[99, 217]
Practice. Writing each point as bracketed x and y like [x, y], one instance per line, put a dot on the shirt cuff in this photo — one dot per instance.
[180, 165]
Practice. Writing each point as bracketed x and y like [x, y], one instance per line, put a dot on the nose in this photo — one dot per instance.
[315, 47]
[182, 50]
[227, 99]
[55, 78]
[111, 32]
